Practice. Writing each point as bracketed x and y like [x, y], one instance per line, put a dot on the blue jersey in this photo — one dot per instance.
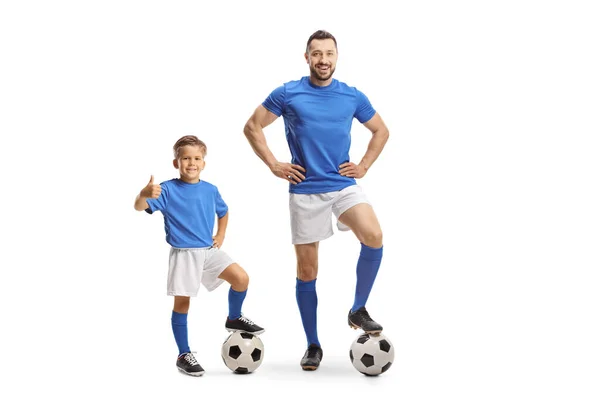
[189, 211]
[317, 122]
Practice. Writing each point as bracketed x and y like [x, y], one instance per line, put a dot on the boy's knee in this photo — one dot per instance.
[239, 280]
[181, 304]
[243, 279]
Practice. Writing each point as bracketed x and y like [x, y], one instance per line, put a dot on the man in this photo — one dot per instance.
[318, 112]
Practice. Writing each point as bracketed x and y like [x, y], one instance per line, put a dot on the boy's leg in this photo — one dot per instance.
[220, 267]
[238, 279]
[186, 362]
[184, 281]
[179, 323]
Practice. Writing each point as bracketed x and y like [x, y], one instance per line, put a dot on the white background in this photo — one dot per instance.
[487, 192]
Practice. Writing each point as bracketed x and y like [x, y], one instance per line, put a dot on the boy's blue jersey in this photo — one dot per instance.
[317, 127]
[189, 211]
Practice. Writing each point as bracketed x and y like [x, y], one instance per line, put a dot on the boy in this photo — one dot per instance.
[189, 206]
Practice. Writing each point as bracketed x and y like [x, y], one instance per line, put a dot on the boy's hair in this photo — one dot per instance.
[189, 140]
[320, 35]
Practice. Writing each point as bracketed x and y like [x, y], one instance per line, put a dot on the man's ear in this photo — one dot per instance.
[175, 164]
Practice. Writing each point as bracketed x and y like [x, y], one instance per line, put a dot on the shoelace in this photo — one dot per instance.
[246, 320]
[189, 357]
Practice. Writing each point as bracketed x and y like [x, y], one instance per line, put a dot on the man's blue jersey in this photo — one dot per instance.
[317, 122]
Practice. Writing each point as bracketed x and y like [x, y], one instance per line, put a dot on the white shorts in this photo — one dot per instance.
[188, 268]
[310, 214]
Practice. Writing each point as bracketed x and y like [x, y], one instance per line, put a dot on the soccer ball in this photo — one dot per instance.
[372, 354]
[242, 352]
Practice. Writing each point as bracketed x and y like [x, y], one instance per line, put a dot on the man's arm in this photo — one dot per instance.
[256, 137]
[380, 136]
[378, 140]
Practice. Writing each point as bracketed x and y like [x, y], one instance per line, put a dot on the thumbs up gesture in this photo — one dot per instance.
[151, 191]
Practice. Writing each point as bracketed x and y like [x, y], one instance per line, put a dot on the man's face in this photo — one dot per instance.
[321, 58]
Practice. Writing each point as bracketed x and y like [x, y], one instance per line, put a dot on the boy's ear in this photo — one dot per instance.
[175, 164]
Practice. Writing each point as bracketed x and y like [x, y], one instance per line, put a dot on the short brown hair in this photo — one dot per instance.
[189, 140]
[320, 35]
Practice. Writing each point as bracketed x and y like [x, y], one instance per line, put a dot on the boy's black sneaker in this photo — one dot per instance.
[312, 358]
[188, 365]
[243, 324]
[361, 319]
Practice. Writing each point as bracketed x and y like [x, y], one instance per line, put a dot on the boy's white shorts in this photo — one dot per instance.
[310, 214]
[188, 268]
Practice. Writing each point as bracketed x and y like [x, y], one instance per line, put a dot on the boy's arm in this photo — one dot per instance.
[221, 228]
[151, 191]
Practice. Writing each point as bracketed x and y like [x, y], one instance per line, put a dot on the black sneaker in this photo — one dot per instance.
[187, 364]
[361, 319]
[312, 358]
[243, 324]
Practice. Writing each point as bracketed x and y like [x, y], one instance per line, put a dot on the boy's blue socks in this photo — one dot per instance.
[179, 324]
[366, 272]
[235, 303]
[306, 296]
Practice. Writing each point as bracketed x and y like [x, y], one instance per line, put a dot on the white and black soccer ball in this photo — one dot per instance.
[372, 354]
[242, 352]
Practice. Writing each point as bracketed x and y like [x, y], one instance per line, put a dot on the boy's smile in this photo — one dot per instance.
[190, 163]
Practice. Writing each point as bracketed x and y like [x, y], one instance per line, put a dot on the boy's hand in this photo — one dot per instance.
[151, 191]
[218, 241]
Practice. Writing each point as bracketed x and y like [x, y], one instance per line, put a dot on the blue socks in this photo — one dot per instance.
[306, 296]
[366, 272]
[235, 303]
[179, 324]
[179, 320]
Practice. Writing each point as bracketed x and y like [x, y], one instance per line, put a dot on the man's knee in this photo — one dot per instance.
[307, 271]
[373, 238]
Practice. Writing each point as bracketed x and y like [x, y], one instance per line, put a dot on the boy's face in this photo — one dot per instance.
[189, 163]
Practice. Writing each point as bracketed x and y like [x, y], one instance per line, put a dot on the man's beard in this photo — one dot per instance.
[315, 74]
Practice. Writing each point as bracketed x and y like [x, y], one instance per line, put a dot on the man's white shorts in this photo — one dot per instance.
[188, 268]
[310, 214]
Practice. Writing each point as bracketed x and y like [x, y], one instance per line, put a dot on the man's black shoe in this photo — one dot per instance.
[312, 358]
[360, 319]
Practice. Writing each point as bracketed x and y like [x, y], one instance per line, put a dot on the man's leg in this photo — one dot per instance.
[306, 296]
[362, 220]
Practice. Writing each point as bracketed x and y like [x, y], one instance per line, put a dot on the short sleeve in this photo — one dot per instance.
[159, 204]
[221, 206]
[364, 110]
[275, 102]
